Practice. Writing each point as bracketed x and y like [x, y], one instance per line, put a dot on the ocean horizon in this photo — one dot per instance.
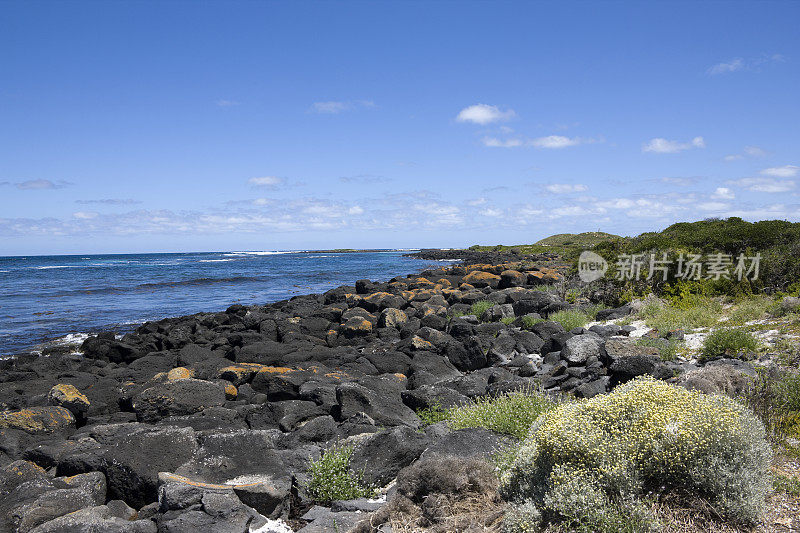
[52, 300]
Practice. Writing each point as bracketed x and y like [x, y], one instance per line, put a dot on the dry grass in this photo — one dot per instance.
[473, 514]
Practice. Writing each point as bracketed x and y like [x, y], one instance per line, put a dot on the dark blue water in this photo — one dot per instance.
[49, 297]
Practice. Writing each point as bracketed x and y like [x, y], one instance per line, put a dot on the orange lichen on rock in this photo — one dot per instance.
[179, 373]
[38, 419]
[68, 397]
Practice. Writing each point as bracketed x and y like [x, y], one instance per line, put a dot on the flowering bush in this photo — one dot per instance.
[583, 462]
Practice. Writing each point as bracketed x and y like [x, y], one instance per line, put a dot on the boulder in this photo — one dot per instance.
[498, 312]
[512, 278]
[179, 397]
[382, 455]
[38, 420]
[70, 398]
[579, 348]
[133, 460]
[392, 318]
[94, 520]
[479, 278]
[467, 355]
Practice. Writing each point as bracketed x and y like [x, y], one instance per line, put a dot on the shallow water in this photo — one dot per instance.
[45, 298]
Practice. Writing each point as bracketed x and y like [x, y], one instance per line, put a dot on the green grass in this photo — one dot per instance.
[508, 320]
[752, 308]
[697, 312]
[786, 484]
[432, 415]
[511, 413]
[668, 351]
[730, 342]
[571, 318]
[528, 321]
[331, 477]
[478, 308]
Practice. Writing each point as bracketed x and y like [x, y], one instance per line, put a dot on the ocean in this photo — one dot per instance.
[52, 300]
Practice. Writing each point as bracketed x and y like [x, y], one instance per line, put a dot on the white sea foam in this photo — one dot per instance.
[215, 260]
[272, 252]
[47, 267]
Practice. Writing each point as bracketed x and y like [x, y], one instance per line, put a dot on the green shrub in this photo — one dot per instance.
[570, 318]
[729, 342]
[775, 398]
[508, 320]
[511, 413]
[478, 308]
[586, 462]
[332, 479]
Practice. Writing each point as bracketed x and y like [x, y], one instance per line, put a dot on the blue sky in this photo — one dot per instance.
[179, 126]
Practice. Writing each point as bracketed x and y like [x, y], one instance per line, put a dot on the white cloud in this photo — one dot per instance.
[663, 146]
[266, 181]
[227, 103]
[727, 67]
[754, 151]
[786, 171]
[489, 212]
[477, 201]
[484, 114]
[84, 215]
[355, 210]
[713, 206]
[549, 142]
[40, 184]
[764, 184]
[330, 108]
[555, 141]
[723, 193]
[565, 188]
[493, 142]
[748, 151]
[333, 107]
[737, 64]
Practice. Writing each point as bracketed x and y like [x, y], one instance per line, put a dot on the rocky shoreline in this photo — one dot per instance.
[208, 422]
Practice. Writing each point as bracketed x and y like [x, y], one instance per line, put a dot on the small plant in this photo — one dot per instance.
[511, 413]
[508, 320]
[729, 342]
[570, 319]
[432, 414]
[478, 308]
[332, 479]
